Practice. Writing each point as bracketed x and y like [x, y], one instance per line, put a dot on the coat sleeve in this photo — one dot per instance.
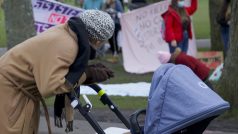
[191, 10]
[52, 67]
[169, 31]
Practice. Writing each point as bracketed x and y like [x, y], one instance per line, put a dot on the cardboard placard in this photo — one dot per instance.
[212, 59]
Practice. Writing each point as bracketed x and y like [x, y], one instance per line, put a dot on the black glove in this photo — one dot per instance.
[97, 73]
[58, 109]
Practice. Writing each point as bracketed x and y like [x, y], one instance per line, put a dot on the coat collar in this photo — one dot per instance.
[71, 33]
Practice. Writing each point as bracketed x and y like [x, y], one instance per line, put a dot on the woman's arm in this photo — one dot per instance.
[191, 10]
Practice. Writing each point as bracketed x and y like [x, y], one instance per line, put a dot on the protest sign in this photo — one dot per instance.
[49, 13]
[142, 38]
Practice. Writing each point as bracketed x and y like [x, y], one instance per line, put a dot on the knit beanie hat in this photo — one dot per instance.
[164, 57]
[99, 24]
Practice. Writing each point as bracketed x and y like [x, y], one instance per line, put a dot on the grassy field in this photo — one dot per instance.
[201, 22]
[2, 30]
[123, 102]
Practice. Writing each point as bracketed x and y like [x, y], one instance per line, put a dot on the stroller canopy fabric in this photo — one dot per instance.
[177, 99]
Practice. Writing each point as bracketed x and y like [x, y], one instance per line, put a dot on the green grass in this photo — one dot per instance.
[123, 102]
[70, 2]
[2, 30]
[201, 21]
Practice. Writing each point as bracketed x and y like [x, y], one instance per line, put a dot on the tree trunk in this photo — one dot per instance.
[229, 81]
[19, 21]
[216, 41]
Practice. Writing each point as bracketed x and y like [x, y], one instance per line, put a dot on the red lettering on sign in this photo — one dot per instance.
[57, 18]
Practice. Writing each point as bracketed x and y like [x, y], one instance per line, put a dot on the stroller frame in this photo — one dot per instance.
[85, 110]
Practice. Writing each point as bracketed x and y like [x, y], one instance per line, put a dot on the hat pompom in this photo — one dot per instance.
[164, 57]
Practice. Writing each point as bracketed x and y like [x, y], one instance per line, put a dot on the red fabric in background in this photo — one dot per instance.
[200, 69]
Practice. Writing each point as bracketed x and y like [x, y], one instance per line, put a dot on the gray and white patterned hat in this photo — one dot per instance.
[99, 24]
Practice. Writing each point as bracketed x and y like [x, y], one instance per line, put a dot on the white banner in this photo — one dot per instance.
[142, 36]
[49, 13]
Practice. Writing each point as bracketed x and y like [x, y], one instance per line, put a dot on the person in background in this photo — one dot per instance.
[93, 4]
[178, 24]
[135, 4]
[179, 57]
[114, 8]
[122, 3]
[50, 63]
[223, 19]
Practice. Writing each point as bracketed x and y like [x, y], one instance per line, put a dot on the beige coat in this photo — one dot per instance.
[38, 64]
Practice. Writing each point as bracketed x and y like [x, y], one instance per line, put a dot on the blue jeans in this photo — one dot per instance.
[183, 45]
[225, 37]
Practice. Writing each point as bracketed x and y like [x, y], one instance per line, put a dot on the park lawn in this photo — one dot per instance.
[2, 30]
[123, 102]
[201, 21]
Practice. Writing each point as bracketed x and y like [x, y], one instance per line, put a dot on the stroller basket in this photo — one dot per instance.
[179, 100]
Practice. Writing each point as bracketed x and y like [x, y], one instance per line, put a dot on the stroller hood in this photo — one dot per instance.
[177, 99]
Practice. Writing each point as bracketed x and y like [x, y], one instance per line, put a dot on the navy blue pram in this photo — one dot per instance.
[179, 102]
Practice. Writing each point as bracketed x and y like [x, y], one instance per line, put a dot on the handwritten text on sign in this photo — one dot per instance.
[148, 27]
[142, 38]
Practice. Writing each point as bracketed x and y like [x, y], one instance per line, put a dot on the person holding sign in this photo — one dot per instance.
[178, 24]
[50, 63]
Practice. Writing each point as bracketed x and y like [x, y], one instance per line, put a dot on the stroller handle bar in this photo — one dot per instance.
[107, 101]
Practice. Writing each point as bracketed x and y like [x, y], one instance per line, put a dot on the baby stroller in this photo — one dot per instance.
[178, 103]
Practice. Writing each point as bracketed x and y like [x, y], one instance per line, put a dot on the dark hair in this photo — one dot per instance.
[181, 11]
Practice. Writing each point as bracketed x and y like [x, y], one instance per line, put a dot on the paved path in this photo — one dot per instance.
[203, 43]
[80, 127]
[83, 127]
